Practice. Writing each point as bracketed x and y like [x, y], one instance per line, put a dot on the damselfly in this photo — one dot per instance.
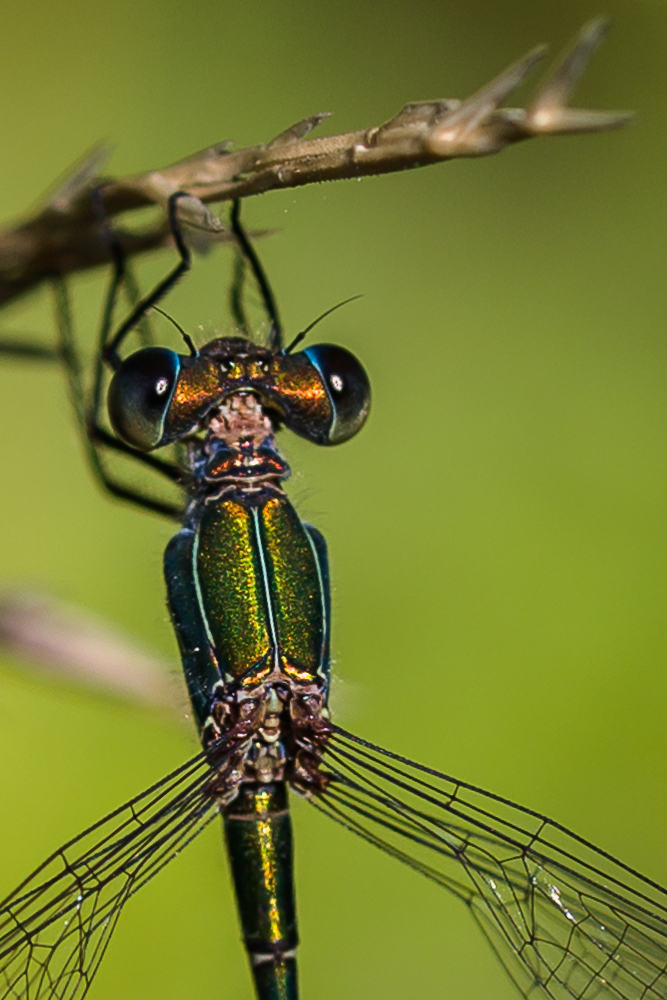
[249, 597]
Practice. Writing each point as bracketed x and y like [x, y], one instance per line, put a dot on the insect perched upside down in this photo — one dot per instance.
[248, 592]
[248, 586]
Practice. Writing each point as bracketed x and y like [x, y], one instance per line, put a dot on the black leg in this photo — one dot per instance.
[110, 352]
[247, 249]
[170, 470]
[121, 276]
[69, 355]
[28, 352]
[132, 294]
[118, 276]
[122, 271]
[93, 436]
[236, 305]
[88, 406]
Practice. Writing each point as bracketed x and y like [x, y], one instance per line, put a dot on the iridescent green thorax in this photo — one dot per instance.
[258, 571]
[260, 589]
[257, 606]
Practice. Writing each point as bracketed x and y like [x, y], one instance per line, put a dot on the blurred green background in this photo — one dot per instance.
[497, 533]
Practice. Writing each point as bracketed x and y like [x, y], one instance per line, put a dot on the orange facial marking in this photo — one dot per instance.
[197, 389]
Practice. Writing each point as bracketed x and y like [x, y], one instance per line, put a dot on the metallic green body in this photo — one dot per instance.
[249, 597]
[258, 832]
[247, 582]
[261, 589]
[200, 667]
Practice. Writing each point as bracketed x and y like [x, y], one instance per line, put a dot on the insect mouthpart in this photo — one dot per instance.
[247, 399]
[240, 415]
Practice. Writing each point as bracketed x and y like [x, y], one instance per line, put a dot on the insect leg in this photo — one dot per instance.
[110, 352]
[94, 436]
[236, 305]
[268, 298]
[15, 348]
[121, 277]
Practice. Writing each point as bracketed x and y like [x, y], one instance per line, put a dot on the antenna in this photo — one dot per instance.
[186, 336]
[300, 336]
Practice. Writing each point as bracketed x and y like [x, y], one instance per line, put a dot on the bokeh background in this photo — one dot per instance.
[497, 532]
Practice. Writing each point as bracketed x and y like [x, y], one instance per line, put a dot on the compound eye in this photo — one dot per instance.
[139, 396]
[347, 387]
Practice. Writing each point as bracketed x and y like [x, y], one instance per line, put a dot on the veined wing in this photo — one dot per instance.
[55, 927]
[566, 919]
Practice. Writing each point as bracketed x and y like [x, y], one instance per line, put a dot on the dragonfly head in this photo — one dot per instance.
[157, 396]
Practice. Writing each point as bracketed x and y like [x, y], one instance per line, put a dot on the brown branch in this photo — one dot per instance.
[65, 236]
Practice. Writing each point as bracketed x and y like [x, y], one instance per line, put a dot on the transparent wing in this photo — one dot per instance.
[565, 918]
[55, 927]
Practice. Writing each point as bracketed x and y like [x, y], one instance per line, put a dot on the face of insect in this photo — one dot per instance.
[158, 396]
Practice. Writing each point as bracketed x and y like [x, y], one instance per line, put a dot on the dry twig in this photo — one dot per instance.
[65, 236]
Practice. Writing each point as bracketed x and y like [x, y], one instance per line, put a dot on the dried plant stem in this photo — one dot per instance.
[65, 236]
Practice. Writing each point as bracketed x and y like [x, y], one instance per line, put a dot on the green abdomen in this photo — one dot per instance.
[259, 842]
[260, 589]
